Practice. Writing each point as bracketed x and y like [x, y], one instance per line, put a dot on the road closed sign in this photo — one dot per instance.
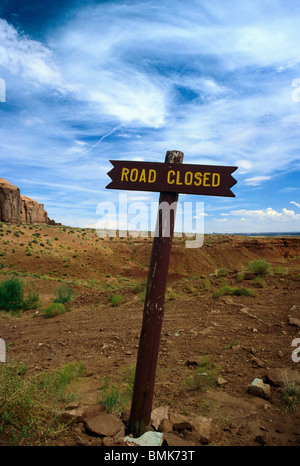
[209, 180]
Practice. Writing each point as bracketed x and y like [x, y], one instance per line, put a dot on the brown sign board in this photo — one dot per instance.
[207, 180]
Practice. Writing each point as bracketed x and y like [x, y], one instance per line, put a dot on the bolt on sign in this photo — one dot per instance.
[169, 179]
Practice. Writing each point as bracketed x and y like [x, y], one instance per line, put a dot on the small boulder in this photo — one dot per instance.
[202, 429]
[294, 321]
[158, 415]
[105, 425]
[93, 410]
[259, 388]
[180, 422]
[173, 440]
[165, 426]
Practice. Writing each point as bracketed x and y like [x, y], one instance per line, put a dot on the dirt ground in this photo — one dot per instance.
[246, 336]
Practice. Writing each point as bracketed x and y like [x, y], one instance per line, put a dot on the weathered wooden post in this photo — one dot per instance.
[169, 178]
[153, 310]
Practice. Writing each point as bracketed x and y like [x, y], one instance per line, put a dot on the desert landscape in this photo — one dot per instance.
[232, 314]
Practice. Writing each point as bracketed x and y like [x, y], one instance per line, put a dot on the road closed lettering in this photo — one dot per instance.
[164, 177]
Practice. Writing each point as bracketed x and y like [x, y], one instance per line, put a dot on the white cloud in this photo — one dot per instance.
[244, 165]
[29, 59]
[269, 214]
[256, 180]
[295, 203]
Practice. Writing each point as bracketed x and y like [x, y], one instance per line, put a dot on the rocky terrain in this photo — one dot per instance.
[226, 358]
[15, 208]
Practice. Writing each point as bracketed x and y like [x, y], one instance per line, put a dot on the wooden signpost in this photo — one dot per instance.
[169, 178]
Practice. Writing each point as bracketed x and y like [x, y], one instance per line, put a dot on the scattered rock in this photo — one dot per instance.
[173, 440]
[93, 410]
[221, 381]
[258, 362]
[294, 321]
[148, 439]
[105, 425]
[201, 429]
[72, 405]
[245, 310]
[278, 376]
[195, 360]
[165, 426]
[259, 388]
[125, 416]
[158, 415]
[180, 422]
[72, 415]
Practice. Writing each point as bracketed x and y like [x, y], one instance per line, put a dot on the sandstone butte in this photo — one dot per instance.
[15, 208]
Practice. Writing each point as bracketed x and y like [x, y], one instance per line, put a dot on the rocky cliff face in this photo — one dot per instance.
[15, 208]
[10, 202]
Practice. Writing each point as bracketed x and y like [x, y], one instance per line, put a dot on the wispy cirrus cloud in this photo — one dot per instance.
[295, 203]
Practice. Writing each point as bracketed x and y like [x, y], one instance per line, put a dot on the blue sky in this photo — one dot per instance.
[91, 81]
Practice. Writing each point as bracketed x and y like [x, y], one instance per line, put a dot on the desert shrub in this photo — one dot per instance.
[116, 300]
[11, 295]
[240, 277]
[205, 375]
[31, 302]
[170, 295]
[110, 396]
[128, 379]
[259, 282]
[290, 394]
[54, 309]
[63, 294]
[259, 267]
[115, 397]
[140, 286]
[222, 272]
[228, 290]
[281, 270]
[26, 414]
[54, 383]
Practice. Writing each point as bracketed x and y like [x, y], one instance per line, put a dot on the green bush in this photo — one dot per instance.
[228, 290]
[222, 272]
[27, 417]
[116, 300]
[205, 375]
[11, 295]
[54, 309]
[259, 282]
[240, 277]
[116, 397]
[31, 302]
[259, 267]
[63, 294]
[140, 286]
[111, 397]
